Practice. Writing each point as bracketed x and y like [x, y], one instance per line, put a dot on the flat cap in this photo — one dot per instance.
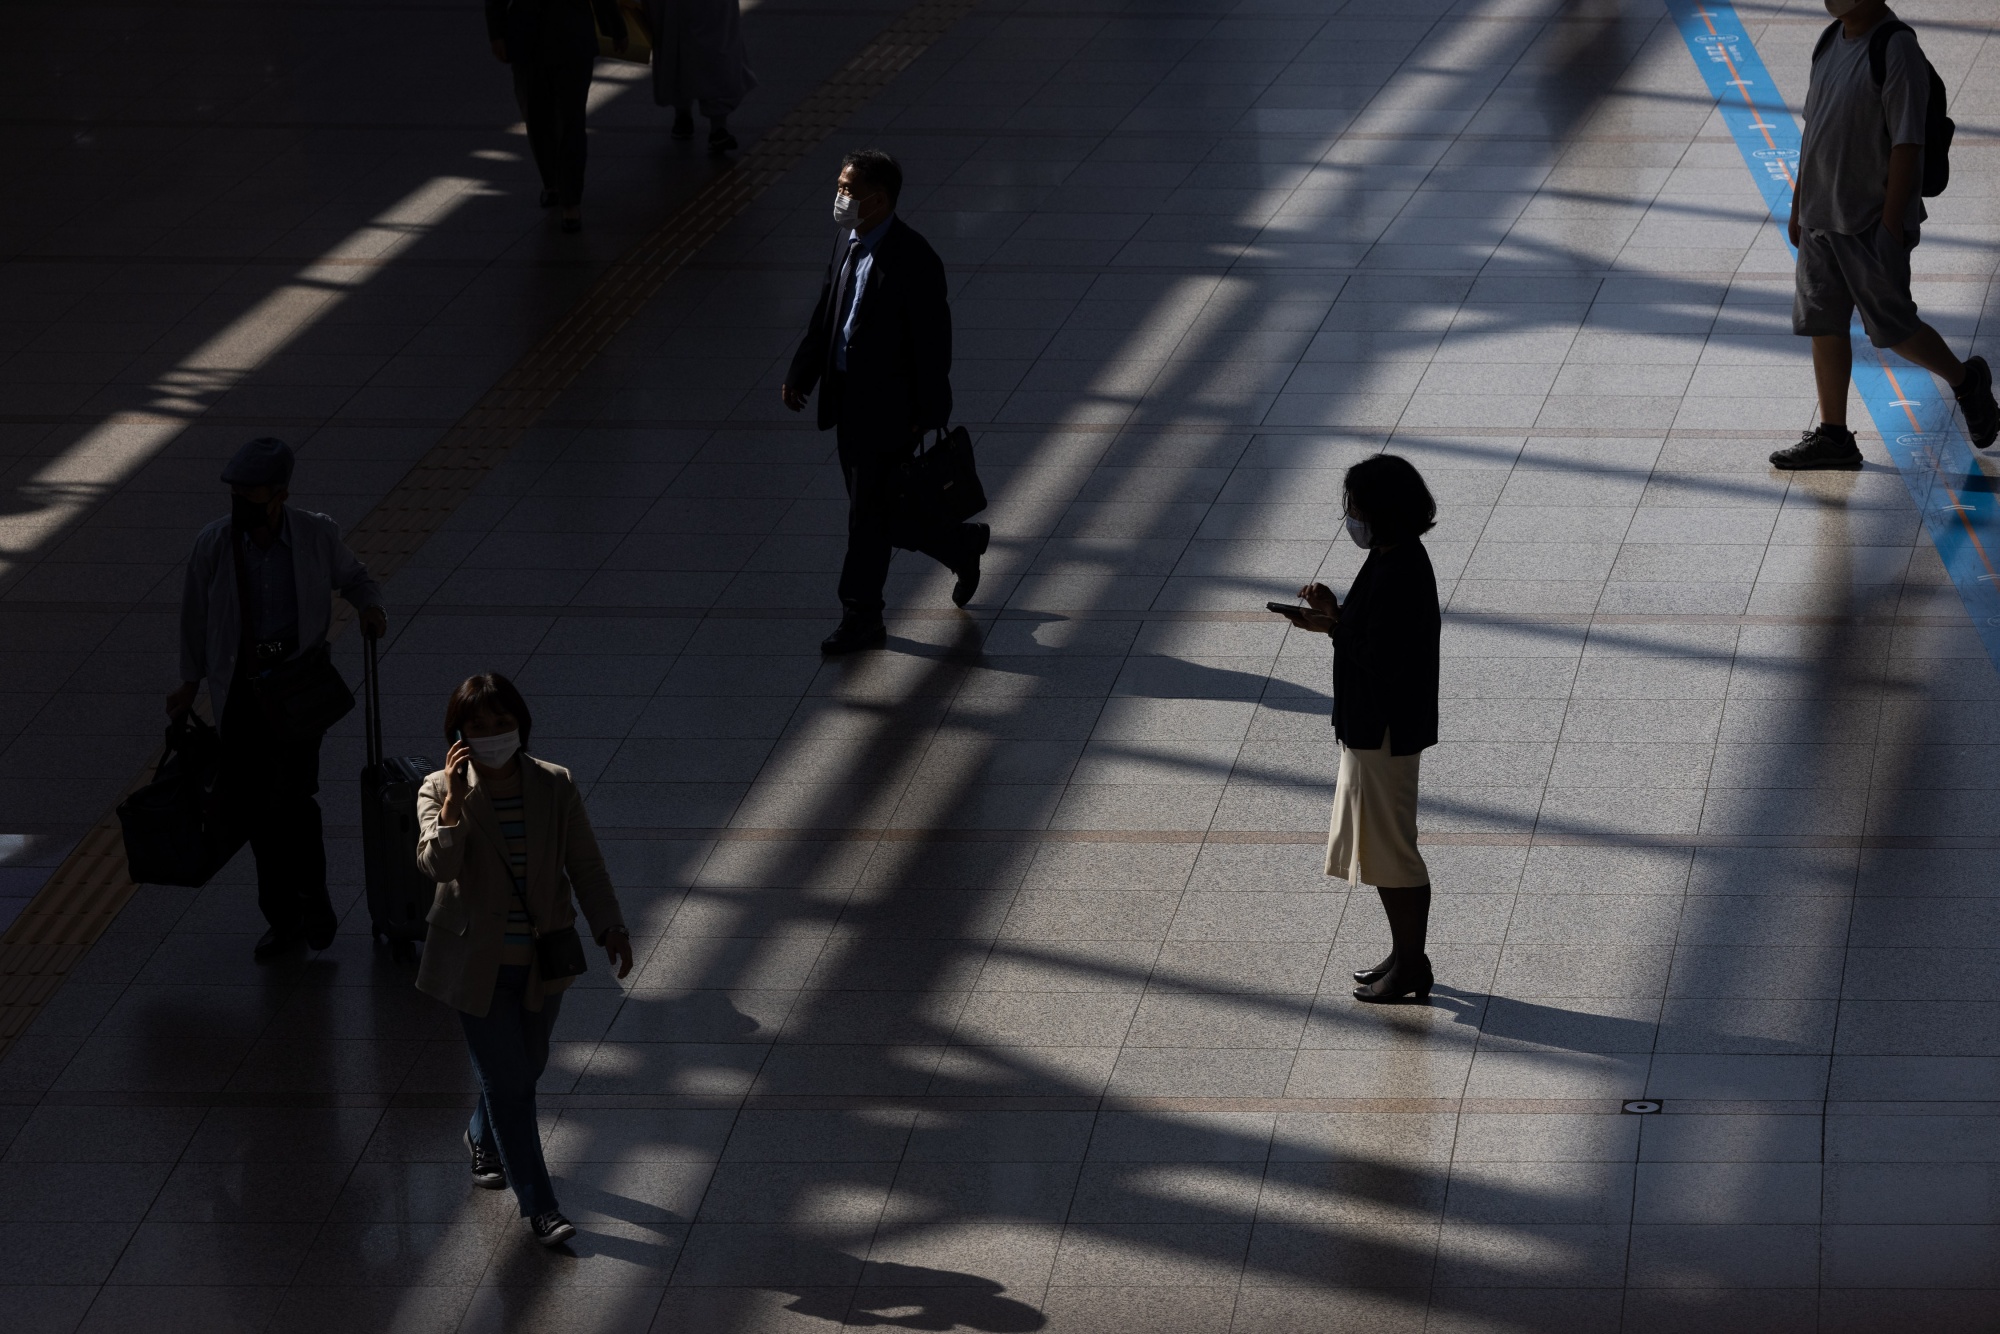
[265, 461]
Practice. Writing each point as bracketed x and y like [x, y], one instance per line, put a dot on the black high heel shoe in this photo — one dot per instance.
[1366, 975]
[1400, 983]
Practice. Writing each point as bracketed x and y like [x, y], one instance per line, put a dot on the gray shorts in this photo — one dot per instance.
[1838, 273]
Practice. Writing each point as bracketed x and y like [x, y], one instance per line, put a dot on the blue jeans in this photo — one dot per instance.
[510, 1049]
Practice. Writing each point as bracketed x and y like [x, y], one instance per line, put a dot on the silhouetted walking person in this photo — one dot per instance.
[506, 837]
[255, 610]
[552, 47]
[699, 60]
[879, 351]
[1857, 213]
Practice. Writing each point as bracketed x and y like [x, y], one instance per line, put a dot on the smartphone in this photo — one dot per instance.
[1287, 610]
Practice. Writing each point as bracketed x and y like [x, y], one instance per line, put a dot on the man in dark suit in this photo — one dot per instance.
[879, 350]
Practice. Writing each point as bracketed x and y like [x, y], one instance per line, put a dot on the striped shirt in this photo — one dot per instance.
[517, 945]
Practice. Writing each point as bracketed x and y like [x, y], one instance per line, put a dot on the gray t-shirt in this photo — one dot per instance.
[1850, 126]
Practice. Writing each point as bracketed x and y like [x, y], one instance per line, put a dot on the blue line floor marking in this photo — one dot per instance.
[1953, 493]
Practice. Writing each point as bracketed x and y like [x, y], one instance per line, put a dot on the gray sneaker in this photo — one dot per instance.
[1825, 446]
[1975, 400]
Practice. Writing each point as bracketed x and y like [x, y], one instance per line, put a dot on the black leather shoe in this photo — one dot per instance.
[721, 141]
[321, 929]
[1366, 975]
[853, 636]
[276, 944]
[683, 125]
[1824, 448]
[1412, 983]
[968, 575]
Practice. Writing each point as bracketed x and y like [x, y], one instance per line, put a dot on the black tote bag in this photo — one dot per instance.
[175, 831]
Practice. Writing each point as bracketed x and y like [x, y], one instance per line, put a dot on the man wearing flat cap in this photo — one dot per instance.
[259, 596]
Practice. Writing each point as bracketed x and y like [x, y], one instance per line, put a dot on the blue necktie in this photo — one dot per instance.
[836, 350]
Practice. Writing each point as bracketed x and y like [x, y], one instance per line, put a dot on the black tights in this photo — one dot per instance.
[1409, 912]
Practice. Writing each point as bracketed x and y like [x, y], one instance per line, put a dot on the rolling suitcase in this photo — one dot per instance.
[399, 894]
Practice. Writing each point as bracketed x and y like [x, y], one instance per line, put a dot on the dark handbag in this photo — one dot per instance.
[175, 831]
[558, 953]
[306, 695]
[942, 482]
[301, 696]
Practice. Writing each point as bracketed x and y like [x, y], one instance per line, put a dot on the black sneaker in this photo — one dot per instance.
[486, 1170]
[1825, 446]
[551, 1228]
[1975, 400]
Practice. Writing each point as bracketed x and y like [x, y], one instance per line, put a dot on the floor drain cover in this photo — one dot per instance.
[1644, 1107]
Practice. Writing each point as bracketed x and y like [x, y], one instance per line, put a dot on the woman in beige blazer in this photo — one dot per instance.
[505, 836]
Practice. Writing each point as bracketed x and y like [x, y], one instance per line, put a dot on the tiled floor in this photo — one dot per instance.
[990, 982]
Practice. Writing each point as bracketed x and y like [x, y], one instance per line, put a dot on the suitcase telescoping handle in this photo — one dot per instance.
[371, 700]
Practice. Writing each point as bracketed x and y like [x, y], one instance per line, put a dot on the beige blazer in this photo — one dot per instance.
[476, 884]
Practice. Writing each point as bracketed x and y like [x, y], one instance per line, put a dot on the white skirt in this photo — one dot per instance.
[1372, 838]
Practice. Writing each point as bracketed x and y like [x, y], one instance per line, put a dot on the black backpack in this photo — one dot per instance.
[1938, 127]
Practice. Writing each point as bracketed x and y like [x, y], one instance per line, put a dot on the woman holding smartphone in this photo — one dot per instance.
[505, 836]
[1385, 709]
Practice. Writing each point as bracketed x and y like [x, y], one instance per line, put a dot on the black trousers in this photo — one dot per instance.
[267, 782]
[552, 91]
[870, 464]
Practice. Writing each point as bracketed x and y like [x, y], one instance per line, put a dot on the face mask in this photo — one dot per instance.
[247, 515]
[1358, 531]
[494, 751]
[846, 209]
[1839, 7]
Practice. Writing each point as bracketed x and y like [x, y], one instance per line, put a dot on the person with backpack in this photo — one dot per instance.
[1876, 143]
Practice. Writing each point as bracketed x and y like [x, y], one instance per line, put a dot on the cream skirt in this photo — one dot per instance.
[1373, 836]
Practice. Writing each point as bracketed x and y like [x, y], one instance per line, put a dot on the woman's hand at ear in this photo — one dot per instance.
[458, 782]
[618, 948]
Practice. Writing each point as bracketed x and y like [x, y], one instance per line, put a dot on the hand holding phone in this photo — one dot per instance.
[458, 778]
[1320, 616]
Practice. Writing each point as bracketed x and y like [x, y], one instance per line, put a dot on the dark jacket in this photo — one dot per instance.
[1385, 653]
[899, 360]
[551, 30]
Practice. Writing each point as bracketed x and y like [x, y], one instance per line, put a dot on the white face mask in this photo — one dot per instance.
[846, 210]
[494, 751]
[1358, 531]
[1839, 7]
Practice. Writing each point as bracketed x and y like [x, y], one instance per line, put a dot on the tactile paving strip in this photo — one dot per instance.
[87, 891]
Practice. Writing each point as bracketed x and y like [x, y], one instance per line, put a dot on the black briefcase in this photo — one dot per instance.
[942, 482]
[175, 830]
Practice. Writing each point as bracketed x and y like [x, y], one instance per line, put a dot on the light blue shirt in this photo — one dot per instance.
[863, 263]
